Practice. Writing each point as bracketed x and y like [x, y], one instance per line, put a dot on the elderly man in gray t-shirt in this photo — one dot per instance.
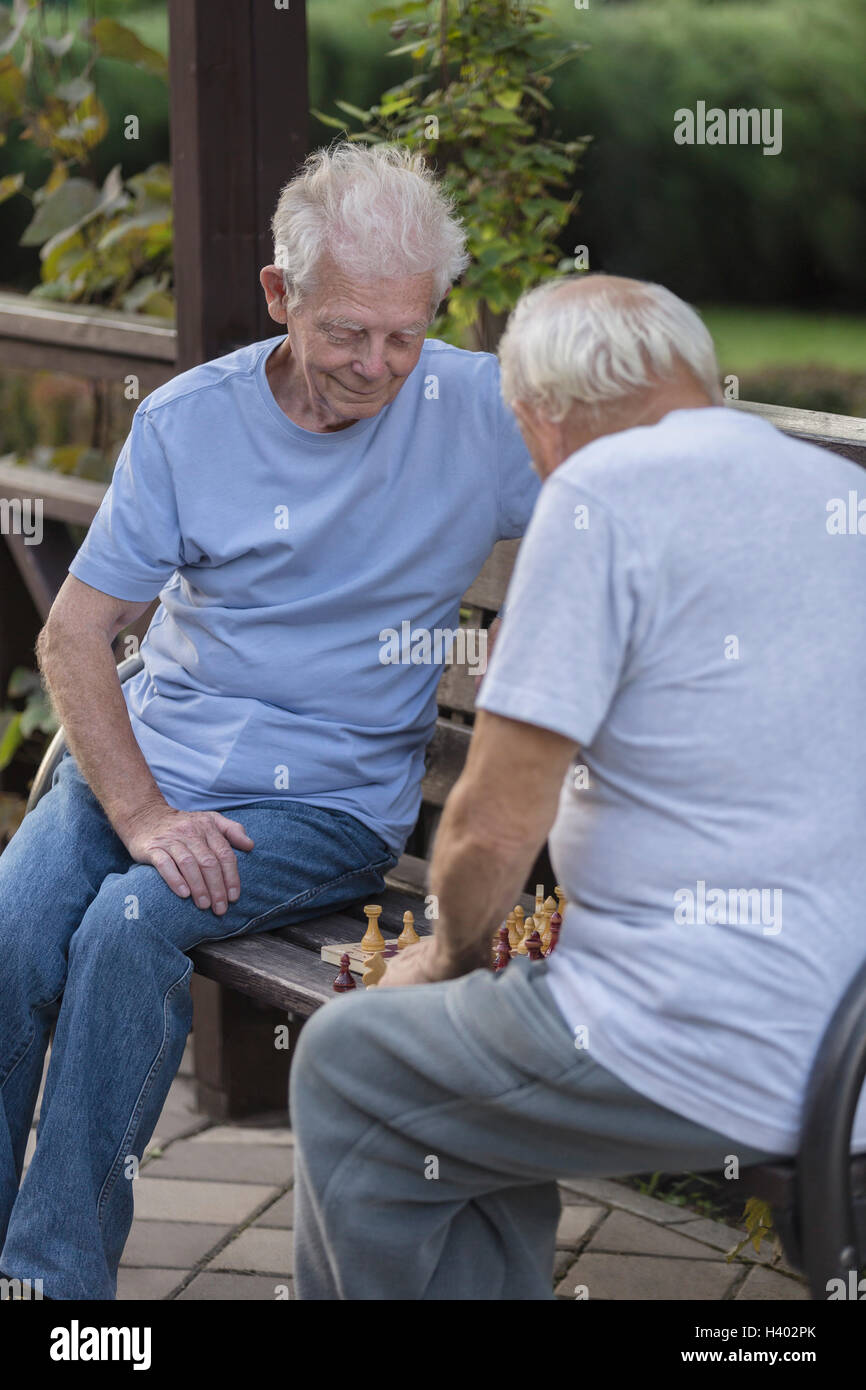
[676, 696]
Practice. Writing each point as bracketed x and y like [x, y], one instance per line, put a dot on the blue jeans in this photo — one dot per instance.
[95, 943]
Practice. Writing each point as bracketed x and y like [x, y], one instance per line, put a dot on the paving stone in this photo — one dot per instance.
[147, 1285]
[725, 1238]
[172, 1199]
[768, 1284]
[281, 1214]
[615, 1194]
[171, 1244]
[231, 1288]
[258, 1250]
[562, 1261]
[573, 1199]
[237, 1134]
[634, 1235]
[575, 1222]
[182, 1098]
[225, 1163]
[175, 1125]
[623, 1277]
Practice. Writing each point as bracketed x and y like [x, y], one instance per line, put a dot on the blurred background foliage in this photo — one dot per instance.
[771, 249]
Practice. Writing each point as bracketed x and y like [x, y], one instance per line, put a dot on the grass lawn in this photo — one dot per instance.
[750, 339]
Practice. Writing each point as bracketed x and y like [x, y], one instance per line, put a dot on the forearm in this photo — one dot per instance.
[476, 878]
[81, 675]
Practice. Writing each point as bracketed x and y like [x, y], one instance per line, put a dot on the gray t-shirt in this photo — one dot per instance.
[689, 605]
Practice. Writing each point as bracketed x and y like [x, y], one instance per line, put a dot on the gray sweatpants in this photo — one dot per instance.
[431, 1124]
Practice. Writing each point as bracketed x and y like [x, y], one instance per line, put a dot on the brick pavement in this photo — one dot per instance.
[213, 1221]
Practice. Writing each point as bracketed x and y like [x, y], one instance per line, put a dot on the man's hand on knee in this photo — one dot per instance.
[192, 851]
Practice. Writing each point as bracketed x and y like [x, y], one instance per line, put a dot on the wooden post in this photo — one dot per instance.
[239, 116]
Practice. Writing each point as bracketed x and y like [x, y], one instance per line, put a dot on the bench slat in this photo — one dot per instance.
[269, 970]
[488, 590]
[446, 754]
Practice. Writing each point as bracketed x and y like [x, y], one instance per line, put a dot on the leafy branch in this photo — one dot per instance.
[477, 107]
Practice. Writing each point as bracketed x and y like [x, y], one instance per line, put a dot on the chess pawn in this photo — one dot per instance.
[555, 924]
[533, 946]
[344, 980]
[519, 930]
[513, 935]
[501, 944]
[408, 936]
[547, 912]
[503, 956]
[373, 940]
[528, 929]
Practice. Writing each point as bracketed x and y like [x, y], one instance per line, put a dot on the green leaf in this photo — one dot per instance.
[510, 100]
[11, 738]
[327, 120]
[12, 87]
[22, 682]
[494, 115]
[73, 200]
[116, 41]
[10, 185]
[351, 110]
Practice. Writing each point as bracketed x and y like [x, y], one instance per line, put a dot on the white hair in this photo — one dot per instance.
[377, 210]
[562, 349]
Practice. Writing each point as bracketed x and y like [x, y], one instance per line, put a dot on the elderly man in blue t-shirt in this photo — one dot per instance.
[293, 505]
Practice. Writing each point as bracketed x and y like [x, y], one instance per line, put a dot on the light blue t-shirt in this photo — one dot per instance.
[689, 606]
[280, 557]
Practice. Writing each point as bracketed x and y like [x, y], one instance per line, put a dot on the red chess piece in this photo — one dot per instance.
[503, 954]
[533, 946]
[555, 924]
[344, 980]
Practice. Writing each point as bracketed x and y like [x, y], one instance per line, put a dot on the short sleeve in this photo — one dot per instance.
[519, 484]
[571, 606]
[134, 543]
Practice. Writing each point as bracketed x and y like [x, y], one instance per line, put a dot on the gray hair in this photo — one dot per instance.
[377, 210]
[560, 349]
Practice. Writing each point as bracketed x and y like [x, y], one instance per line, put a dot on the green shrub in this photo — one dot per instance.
[722, 223]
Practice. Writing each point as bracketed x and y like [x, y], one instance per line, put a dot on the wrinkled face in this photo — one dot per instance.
[355, 342]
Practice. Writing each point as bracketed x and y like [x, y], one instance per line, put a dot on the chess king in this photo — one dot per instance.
[285, 504]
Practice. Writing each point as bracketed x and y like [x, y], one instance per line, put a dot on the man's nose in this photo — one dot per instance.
[372, 364]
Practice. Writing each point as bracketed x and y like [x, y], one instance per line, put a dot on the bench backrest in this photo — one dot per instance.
[447, 750]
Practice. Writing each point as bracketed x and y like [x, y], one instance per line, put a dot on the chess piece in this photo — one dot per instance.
[555, 924]
[546, 914]
[372, 940]
[408, 936]
[539, 901]
[501, 943]
[528, 929]
[513, 934]
[519, 929]
[344, 980]
[374, 970]
[533, 946]
[503, 956]
[560, 898]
